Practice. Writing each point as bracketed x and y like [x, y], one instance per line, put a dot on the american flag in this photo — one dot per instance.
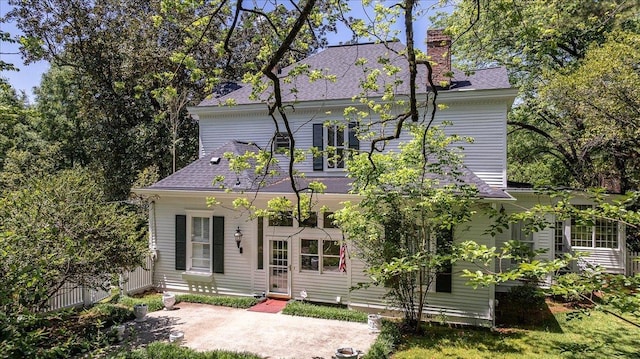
[342, 267]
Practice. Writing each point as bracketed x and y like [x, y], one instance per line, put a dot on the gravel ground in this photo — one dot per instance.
[208, 327]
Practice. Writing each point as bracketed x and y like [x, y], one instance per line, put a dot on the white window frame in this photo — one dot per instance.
[191, 214]
[336, 146]
[320, 255]
[518, 234]
[568, 235]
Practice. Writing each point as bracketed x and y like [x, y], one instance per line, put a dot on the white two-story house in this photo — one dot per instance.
[219, 250]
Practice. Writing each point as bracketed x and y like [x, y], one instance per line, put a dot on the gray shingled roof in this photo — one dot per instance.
[199, 175]
[342, 185]
[339, 61]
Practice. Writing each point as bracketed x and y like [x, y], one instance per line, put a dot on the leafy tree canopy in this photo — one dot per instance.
[550, 49]
[58, 229]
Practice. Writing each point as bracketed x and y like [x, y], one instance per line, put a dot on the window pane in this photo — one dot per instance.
[339, 136]
[200, 229]
[196, 227]
[311, 221]
[309, 246]
[200, 264]
[282, 219]
[331, 248]
[606, 234]
[205, 229]
[519, 232]
[309, 258]
[330, 264]
[331, 157]
[200, 250]
[328, 220]
[340, 159]
[581, 235]
[331, 138]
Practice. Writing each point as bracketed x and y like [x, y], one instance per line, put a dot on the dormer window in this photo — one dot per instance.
[281, 142]
[334, 141]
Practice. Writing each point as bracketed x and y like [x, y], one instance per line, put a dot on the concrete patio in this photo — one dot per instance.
[208, 327]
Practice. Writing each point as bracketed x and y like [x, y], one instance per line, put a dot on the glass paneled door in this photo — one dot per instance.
[279, 279]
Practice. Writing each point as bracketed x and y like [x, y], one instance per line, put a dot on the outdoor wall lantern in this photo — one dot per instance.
[238, 237]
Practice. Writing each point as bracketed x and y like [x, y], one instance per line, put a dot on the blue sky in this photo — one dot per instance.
[29, 75]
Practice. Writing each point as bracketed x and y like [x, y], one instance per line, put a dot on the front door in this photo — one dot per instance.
[279, 278]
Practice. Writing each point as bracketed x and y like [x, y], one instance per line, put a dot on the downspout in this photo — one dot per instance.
[153, 240]
[492, 287]
[153, 244]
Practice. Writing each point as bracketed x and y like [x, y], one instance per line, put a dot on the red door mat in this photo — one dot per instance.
[269, 306]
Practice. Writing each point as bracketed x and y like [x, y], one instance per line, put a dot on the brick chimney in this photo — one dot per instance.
[439, 51]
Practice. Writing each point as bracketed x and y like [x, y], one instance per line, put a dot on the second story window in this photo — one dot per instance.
[333, 141]
[335, 147]
[281, 142]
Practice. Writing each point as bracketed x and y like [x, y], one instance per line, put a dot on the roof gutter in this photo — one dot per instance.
[462, 95]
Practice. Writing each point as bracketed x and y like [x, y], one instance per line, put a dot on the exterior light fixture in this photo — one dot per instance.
[238, 237]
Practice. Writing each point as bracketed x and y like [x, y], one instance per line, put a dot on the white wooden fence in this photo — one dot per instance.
[138, 280]
[71, 295]
[633, 267]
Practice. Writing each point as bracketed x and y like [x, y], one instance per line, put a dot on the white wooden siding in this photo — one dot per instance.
[613, 260]
[241, 277]
[464, 304]
[237, 276]
[541, 240]
[485, 122]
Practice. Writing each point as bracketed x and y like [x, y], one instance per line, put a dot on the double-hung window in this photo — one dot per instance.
[520, 233]
[335, 147]
[199, 246]
[333, 143]
[199, 242]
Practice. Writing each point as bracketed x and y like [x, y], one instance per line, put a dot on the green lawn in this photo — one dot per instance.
[596, 336]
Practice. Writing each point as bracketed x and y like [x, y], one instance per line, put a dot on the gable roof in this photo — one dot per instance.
[340, 61]
[200, 174]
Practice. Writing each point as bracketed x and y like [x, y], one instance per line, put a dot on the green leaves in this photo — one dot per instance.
[408, 200]
[58, 230]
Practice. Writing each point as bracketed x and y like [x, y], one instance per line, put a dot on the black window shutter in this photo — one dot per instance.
[318, 143]
[218, 244]
[181, 242]
[444, 278]
[260, 243]
[354, 142]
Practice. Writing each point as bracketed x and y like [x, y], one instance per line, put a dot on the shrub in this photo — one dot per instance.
[153, 302]
[159, 350]
[61, 334]
[302, 309]
[526, 296]
[110, 313]
[522, 305]
[233, 302]
[387, 341]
